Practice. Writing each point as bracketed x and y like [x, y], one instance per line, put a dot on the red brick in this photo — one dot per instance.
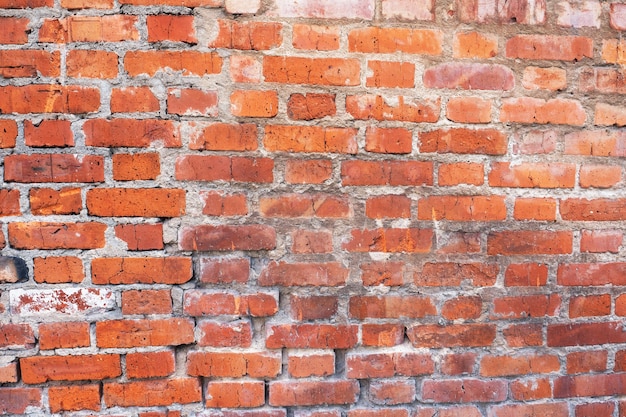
[9, 203]
[15, 30]
[528, 12]
[595, 409]
[392, 392]
[304, 366]
[63, 335]
[398, 108]
[314, 307]
[311, 106]
[491, 366]
[25, 4]
[221, 394]
[141, 236]
[590, 305]
[137, 333]
[591, 274]
[255, 36]
[461, 173]
[458, 242]
[305, 205]
[458, 364]
[534, 110]
[596, 143]
[308, 241]
[385, 307]
[190, 102]
[150, 364]
[382, 273]
[45, 235]
[187, 63]
[53, 168]
[388, 140]
[390, 74]
[454, 335]
[311, 171]
[464, 390]
[590, 385]
[620, 305]
[466, 76]
[453, 274]
[170, 270]
[312, 71]
[245, 69]
[598, 241]
[315, 37]
[58, 269]
[469, 110]
[8, 133]
[384, 365]
[620, 361]
[8, 374]
[462, 208]
[146, 302]
[536, 142]
[586, 362]
[300, 393]
[618, 16]
[386, 335]
[474, 45]
[153, 393]
[461, 411]
[330, 274]
[537, 78]
[600, 176]
[16, 400]
[532, 175]
[584, 334]
[601, 209]
[217, 204]
[384, 40]
[224, 137]
[227, 238]
[549, 409]
[311, 336]
[562, 48]
[40, 369]
[253, 103]
[17, 336]
[327, 9]
[131, 133]
[310, 139]
[408, 10]
[215, 168]
[74, 398]
[140, 166]
[462, 308]
[232, 334]
[29, 63]
[199, 303]
[526, 306]
[390, 240]
[180, 3]
[133, 99]
[87, 4]
[48, 133]
[604, 80]
[523, 335]
[172, 28]
[137, 202]
[234, 364]
[224, 271]
[388, 206]
[530, 389]
[112, 28]
[526, 275]
[387, 173]
[37, 99]
[83, 63]
[485, 141]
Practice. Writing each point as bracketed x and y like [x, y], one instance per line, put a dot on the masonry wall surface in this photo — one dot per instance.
[312, 208]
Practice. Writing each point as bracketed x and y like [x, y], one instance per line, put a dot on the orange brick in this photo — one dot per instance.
[600, 176]
[253, 103]
[536, 78]
[74, 398]
[63, 335]
[191, 102]
[535, 209]
[384, 40]
[14, 30]
[390, 74]
[91, 64]
[141, 236]
[171, 28]
[310, 171]
[58, 269]
[474, 45]
[150, 364]
[133, 99]
[113, 28]
[461, 173]
[388, 140]
[218, 204]
[29, 63]
[139, 166]
[469, 110]
[315, 37]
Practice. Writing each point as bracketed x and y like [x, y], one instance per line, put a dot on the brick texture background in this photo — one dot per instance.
[312, 208]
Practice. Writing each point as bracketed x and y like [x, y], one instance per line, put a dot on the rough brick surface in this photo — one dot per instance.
[312, 208]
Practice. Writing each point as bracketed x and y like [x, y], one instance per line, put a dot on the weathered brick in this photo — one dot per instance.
[40, 369]
[136, 333]
[152, 393]
[45, 235]
[131, 133]
[400, 108]
[137, 202]
[383, 40]
[74, 398]
[225, 238]
[170, 270]
[187, 63]
[313, 71]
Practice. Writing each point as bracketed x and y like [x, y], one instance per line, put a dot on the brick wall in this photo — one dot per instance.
[313, 208]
